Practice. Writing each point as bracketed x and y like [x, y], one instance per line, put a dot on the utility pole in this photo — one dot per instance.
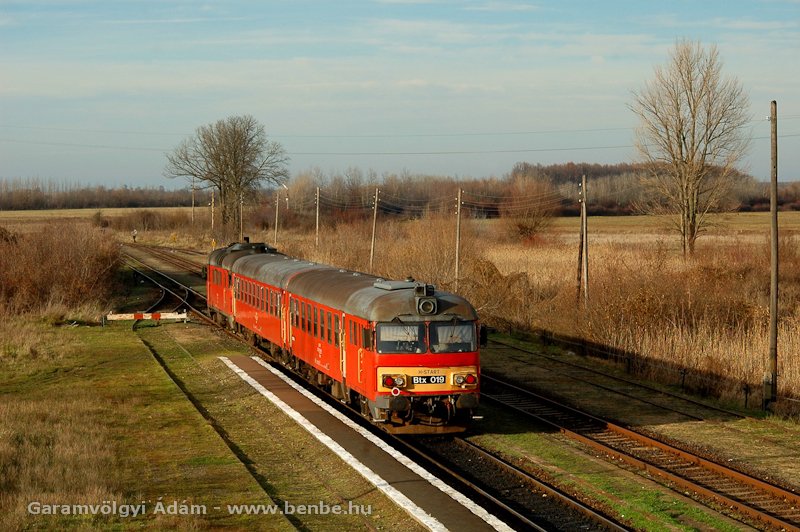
[212, 210]
[374, 224]
[771, 379]
[583, 248]
[585, 243]
[192, 201]
[241, 217]
[277, 207]
[458, 235]
[316, 201]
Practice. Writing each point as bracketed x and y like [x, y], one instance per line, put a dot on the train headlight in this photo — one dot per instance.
[393, 381]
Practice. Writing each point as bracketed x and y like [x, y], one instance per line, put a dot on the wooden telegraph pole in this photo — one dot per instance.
[458, 235]
[374, 224]
[277, 207]
[192, 201]
[316, 238]
[771, 379]
[241, 217]
[583, 248]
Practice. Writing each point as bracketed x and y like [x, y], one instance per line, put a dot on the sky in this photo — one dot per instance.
[98, 92]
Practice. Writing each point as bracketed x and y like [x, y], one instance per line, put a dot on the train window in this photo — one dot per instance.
[405, 338]
[316, 322]
[322, 324]
[452, 337]
[336, 331]
[308, 318]
[328, 314]
[303, 316]
[278, 304]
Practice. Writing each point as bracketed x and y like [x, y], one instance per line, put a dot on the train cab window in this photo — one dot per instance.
[401, 338]
[452, 337]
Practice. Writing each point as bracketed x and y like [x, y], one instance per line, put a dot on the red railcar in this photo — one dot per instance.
[402, 352]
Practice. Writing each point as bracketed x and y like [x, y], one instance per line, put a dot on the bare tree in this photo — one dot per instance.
[232, 155]
[691, 135]
[530, 208]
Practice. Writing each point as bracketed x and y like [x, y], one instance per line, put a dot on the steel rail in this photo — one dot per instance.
[591, 430]
[551, 491]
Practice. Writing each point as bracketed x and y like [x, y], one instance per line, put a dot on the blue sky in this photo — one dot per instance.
[98, 91]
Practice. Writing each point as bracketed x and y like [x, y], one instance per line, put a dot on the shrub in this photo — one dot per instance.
[65, 264]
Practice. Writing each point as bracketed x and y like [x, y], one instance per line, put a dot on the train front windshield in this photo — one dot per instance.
[443, 337]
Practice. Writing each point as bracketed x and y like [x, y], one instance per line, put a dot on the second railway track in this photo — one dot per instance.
[755, 499]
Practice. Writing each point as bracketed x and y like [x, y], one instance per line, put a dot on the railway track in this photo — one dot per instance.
[556, 511]
[171, 256]
[734, 492]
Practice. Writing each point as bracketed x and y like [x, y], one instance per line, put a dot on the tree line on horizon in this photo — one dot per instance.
[613, 189]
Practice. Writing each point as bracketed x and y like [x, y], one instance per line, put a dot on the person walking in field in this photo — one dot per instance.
[133, 235]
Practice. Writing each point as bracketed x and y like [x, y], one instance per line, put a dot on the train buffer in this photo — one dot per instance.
[156, 316]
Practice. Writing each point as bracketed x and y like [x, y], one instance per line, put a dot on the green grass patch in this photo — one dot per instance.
[100, 421]
[640, 502]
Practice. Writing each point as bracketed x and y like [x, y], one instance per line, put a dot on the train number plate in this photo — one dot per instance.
[428, 379]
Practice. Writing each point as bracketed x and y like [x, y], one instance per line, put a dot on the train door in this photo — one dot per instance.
[340, 333]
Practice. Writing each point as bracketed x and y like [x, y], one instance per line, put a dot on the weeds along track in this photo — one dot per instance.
[555, 511]
[594, 377]
[523, 493]
[744, 497]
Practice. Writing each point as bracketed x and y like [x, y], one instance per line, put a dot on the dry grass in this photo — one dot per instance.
[51, 452]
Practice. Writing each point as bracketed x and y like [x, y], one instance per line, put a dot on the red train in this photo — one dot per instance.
[404, 354]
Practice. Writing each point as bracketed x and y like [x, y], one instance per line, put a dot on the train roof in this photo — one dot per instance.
[355, 293]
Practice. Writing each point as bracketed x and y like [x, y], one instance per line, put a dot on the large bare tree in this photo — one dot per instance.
[691, 135]
[232, 155]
